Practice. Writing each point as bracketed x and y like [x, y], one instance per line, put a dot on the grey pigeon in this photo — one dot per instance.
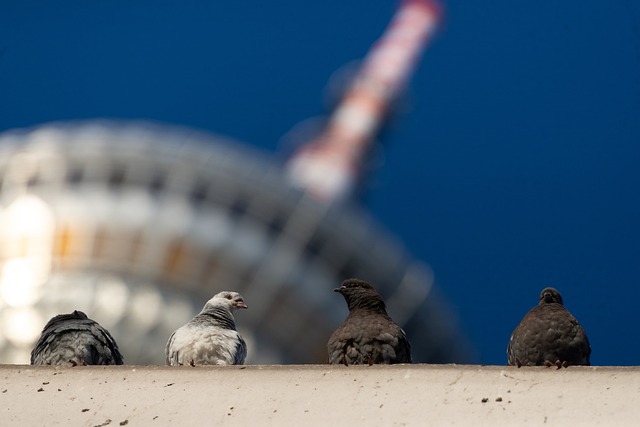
[368, 335]
[210, 338]
[549, 335]
[75, 339]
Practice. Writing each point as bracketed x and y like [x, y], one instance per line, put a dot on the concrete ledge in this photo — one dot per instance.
[319, 395]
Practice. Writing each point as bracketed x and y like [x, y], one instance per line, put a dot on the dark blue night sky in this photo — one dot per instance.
[516, 166]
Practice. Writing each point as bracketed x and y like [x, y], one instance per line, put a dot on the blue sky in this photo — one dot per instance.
[514, 167]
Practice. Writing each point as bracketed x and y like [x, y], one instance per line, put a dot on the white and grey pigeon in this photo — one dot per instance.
[210, 338]
[77, 340]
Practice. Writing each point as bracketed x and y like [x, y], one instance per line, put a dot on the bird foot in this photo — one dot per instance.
[518, 363]
[343, 360]
[192, 363]
[369, 360]
[558, 364]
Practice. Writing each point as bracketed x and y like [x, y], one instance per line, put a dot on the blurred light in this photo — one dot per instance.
[21, 279]
[111, 299]
[146, 305]
[28, 223]
[21, 326]
[27, 229]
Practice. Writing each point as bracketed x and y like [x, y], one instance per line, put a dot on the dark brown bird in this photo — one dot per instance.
[368, 335]
[549, 335]
[76, 340]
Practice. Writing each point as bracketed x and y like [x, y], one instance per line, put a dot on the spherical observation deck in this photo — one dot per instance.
[139, 224]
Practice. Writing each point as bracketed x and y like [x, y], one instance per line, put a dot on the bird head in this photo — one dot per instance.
[230, 299]
[550, 295]
[360, 294]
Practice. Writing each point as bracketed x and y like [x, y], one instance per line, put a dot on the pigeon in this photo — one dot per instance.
[210, 338]
[75, 339]
[368, 335]
[549, 335]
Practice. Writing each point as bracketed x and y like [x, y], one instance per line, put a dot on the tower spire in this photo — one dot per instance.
[328, 166]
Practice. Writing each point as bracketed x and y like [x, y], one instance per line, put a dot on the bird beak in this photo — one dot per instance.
[241, 304]
[339, 290]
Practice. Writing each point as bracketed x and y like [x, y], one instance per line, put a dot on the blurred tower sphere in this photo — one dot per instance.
[139, 224]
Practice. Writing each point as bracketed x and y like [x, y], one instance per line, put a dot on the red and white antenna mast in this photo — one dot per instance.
[328, 167]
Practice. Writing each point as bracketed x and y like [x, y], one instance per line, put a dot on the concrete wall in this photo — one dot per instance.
[319, 395]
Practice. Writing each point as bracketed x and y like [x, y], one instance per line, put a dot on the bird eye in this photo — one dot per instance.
[228, 296]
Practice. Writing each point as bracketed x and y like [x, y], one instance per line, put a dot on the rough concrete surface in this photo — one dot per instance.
[295, 395]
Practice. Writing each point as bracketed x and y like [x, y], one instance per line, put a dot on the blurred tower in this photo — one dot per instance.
[329, 167]
[139, 224]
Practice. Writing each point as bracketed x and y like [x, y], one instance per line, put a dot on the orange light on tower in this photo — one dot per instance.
[328, 167]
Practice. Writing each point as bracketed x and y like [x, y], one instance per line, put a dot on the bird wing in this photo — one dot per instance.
[105, 347]
[240, 352]
[369, 339]
[548, 333]
[74, 339]
[171, 355]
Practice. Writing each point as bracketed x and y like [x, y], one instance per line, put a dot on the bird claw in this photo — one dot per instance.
[558, 364]
[343, 360]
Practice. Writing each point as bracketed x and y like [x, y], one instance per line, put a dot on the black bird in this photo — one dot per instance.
[75, 339]
[549, 335]
[368, 335]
